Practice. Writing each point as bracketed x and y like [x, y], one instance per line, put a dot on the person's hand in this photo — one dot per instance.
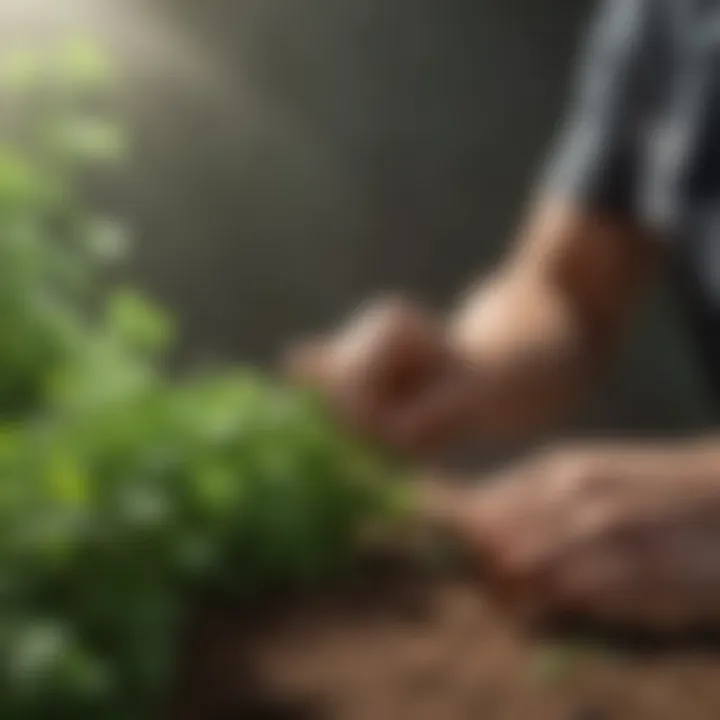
[607, 534]
[391, 373]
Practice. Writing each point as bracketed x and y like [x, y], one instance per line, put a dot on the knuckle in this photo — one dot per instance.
[387, 310]
[600, 520]
[395, 304]
[402, 331]
[379, 322]
[399, 323]
[574, 470]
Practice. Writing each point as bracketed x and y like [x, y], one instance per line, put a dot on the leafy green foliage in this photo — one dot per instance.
[114, 515]
[123, 493]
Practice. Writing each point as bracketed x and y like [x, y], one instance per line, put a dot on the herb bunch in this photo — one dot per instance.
[123, 492]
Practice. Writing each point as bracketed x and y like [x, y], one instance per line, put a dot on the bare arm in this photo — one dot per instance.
[517, 354]
[551, 316]
[543, 326]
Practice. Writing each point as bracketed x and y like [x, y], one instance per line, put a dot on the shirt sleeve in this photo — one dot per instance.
[595, 161]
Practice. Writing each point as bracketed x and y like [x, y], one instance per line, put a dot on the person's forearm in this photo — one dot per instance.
[530, 345]
[542, 327]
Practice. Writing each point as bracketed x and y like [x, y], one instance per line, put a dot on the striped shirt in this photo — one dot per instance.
[642, 139]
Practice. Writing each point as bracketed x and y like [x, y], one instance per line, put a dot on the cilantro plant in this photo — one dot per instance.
[124, 493]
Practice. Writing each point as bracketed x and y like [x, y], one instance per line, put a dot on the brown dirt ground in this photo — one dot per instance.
[431, 648]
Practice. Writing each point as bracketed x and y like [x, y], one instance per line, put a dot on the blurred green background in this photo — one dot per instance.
[293, 156]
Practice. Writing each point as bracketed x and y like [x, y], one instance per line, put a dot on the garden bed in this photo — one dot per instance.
[418, 646]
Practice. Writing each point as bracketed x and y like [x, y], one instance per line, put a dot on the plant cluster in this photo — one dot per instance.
[123, 491]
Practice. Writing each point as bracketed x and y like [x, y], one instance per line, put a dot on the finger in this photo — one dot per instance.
[602, 585]
[378, 363]
[309, 361]
[474, 518]
[447, 508]
[392, 353]
[453, 509]
[438, 416]
[443, 502]
[314, 364]
[547, 532]
[613, 582]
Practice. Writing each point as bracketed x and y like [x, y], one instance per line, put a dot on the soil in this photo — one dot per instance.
[431, 647]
